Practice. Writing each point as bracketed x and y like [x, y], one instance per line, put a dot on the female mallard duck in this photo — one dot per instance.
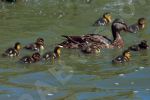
[31, 59]
[125, 57]
[141, 46]
[12, 52]
[37, 46]
[53, 55]
[118, 25]
[138, 26]
[105, 20]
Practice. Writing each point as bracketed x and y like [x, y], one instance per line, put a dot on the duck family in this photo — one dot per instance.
[88, 43]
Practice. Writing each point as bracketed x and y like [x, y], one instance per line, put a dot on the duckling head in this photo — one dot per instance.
[57, 50]
[40, 43]
[127, 54]
[142, 22]
[143, 44]
[36, 56]
[40, 40]
[17, 46]
[108, 17]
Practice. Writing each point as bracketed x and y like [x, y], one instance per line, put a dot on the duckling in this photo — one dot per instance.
[12, 52]
[138, 26]
[53, 55]
[141, 46]
[105, 20]
[89, 48]
[37, 46]
[125, 57]
[31, 59]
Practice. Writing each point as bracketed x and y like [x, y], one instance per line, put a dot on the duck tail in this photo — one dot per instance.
[65, 36]
[70, 39]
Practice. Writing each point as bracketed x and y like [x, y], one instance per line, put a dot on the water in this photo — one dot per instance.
[74, 76]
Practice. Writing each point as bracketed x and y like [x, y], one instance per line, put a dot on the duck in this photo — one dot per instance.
[118, 25]
[125, 57]
[37, 46]
[138, 47]
[134, 28]
[12, 52]
[53, 55]
[31, 59]
[104, 20]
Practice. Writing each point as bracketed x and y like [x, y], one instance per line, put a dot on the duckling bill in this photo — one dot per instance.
[53, 55]
[31, 59]
[12, 52]
[125, 57]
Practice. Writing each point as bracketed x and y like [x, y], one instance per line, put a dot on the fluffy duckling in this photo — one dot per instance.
[12, 52]
[106, 19]
[89, 48]
[138, 26]
[53, 55]
[125, 57]
[31, 59]
[141, 46]
[37, 46]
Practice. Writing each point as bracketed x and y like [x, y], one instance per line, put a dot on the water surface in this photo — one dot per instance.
[75, 76]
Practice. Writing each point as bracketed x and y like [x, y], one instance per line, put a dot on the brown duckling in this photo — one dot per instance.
[125, 57]
[53, 55]
[141, 46]
[12, 52]
[37, 46]
[89, 48]
[138, 26]
[105, 20]
[118, 25]
[31, 59]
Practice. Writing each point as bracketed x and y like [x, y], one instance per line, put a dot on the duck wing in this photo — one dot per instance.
[97, 39]
[74, 39]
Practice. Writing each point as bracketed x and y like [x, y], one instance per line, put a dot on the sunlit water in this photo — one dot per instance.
[75, 76]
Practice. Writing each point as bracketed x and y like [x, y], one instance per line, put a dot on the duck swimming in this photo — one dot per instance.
[53, 55]
[141, 46]
[37, 46]
[31, 59]
[89, 48]
[12, 52]
[118, 25]
[138, 26]
[125, 57]
[105, 20]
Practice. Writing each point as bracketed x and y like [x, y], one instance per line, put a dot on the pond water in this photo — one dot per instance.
[75, 76]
